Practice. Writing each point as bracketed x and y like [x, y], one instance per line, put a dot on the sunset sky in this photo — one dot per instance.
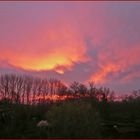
[73, 41]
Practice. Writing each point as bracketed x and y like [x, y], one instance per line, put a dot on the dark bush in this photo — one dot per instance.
[74, 120]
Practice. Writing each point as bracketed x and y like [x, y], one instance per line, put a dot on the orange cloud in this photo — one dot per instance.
[48, 50]
[101, 76]
[114, 61]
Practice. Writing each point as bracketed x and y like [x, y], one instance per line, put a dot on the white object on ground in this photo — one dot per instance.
[43, 123]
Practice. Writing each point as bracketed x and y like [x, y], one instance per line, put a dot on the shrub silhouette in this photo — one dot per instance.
[74, 120]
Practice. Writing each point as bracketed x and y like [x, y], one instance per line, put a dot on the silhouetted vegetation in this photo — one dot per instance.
[83, 112]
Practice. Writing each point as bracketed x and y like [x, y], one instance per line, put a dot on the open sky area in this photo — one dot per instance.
[73, 41]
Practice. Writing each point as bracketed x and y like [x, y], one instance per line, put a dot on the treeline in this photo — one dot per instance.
[25, 89]
[31, 90]
[107, 118]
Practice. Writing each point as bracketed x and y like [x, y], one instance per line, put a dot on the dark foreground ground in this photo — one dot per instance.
[75, 118]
